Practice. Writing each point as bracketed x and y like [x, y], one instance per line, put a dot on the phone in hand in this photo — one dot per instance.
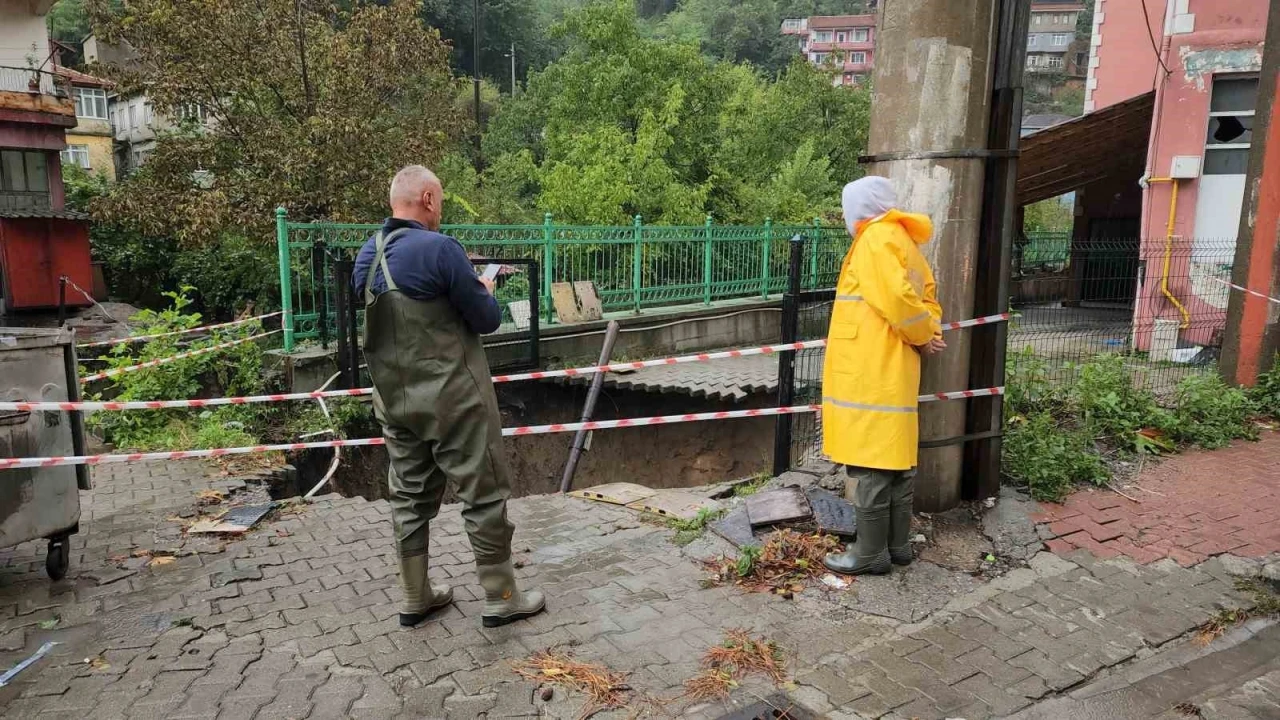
[491, 271]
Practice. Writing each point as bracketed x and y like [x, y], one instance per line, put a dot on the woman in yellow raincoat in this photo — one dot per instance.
[886, 315]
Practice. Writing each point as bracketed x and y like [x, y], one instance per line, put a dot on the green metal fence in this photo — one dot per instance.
[633, 267]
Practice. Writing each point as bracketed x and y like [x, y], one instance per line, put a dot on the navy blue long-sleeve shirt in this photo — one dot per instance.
[427, 265]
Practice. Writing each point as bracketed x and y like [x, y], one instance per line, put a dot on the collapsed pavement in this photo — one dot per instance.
[297, 618]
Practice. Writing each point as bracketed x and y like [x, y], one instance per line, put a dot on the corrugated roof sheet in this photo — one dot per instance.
[42, 213]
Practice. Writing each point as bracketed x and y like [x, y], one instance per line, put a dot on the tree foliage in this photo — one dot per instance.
[311, 105]
[626, 124]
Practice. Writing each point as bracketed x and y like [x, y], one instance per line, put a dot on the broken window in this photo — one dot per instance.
[1230, 133]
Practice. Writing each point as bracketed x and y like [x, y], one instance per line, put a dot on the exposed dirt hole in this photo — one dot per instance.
[683, 455]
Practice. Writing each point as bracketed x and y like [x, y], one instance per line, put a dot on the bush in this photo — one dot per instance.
[1047, 458]
[234, 371]
[1265, 396]
[1027, 386]
[1211, 414]
[1111, 406]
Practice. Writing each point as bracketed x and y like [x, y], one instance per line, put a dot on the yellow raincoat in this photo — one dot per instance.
[886, 304]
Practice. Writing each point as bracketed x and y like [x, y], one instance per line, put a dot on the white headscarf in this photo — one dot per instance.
[870, 197]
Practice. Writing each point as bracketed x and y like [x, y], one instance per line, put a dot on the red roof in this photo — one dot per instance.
[78, 78]
[831, 22]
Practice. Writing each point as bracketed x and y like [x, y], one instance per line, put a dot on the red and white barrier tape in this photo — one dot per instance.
[40, 462]
[172, 358]
[1247, 290]
[140, 338]
[357, 392]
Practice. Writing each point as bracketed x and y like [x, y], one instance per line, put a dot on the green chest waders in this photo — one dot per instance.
[435, 401]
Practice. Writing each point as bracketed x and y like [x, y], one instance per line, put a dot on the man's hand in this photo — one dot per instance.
[488, 284]
[933, 347]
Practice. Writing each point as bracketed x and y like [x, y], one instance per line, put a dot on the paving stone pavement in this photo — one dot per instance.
[298, 619]
[1179, 513]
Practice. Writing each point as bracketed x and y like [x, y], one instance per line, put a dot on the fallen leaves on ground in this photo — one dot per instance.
[605, 689]
[1218, 625]
[726, 664]
[97, 662]
[210, 497]
[51, 623]
[784, 564]
[162, 560]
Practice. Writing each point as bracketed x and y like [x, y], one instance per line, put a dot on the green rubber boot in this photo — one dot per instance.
[421, 598]
[503, 601]
[868, 553]
[902, 495]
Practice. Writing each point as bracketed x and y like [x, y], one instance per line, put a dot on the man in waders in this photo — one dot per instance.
[425, 309]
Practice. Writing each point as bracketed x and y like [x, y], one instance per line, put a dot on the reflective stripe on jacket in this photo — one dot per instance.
[886, 304]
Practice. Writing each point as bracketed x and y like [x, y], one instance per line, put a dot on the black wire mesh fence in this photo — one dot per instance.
[1158, 304]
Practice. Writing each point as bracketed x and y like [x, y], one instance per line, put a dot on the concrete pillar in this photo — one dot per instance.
[1252, 335]
[932, 85]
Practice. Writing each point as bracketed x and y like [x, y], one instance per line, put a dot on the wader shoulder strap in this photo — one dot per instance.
[380, 243]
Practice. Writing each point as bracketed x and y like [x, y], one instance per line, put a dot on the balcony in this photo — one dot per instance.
[862, 67]
[867, 46]
[36, 96]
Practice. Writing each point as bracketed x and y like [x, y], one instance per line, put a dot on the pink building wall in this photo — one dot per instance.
[1198, 41]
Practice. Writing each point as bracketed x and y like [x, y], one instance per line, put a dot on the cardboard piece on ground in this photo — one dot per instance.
[620, 493]
[576, 302]
[775, 506]
[519, 314]
[566, 305]
[236, 520]
[588, 301]
[735, 527]
[674, 504]
[831, 513]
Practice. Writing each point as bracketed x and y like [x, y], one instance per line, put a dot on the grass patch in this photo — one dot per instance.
[1266, 603]
[689, 530]
[752, 486]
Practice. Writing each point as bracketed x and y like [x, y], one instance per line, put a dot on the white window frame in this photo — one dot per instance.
[133, 116]
[858, 58]
[818, 36]
[861, 35]
[820, 57]
[91, 101]
[842, 37]
[1065, 39]
[790, 24]
[77, 155]
[1054, 61]
[1210, 147]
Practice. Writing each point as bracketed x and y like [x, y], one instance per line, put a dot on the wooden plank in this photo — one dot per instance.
[566, 305]
[775, 506]
[588, 301]
[619, 493]
[674, 504]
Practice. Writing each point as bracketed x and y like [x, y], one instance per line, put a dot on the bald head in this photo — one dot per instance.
[416, 194]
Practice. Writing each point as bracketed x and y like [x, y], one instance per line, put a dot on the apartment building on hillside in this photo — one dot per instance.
[843, 43]
[1051, 39]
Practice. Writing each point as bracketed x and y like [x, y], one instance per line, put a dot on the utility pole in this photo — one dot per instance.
[475, 73]
[1252, 335]
[512, 54]
[929, 120]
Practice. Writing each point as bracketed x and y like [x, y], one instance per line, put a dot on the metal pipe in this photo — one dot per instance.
[589, 408]
[62, 301]
[1170, 226]
[787, 360]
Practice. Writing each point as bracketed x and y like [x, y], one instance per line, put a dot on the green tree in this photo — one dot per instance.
[311, 106]
[625, 123]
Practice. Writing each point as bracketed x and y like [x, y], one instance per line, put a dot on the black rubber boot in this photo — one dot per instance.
[902, 496]
[868, 554]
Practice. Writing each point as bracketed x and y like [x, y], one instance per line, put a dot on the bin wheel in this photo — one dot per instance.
[58, 559]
